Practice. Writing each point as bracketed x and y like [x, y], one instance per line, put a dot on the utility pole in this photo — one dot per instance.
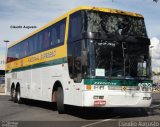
[6, 86]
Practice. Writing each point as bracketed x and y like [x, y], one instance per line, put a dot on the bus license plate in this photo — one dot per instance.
[99, 102]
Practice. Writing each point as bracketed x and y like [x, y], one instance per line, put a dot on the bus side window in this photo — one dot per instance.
[14, 53]
[74, 61]
[47, 39]
[35, 43]
[9, 55]
[58, 33]
[62, 31]
[17, 51]
[77, 68]
[70, 60]
[30, 52]
[40, 40]
[75, 26]
[53, 36]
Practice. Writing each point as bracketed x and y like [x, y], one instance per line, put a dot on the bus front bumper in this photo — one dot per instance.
[116, 99]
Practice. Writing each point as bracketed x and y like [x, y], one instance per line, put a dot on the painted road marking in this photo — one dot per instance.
[155, 106]
[98, 122]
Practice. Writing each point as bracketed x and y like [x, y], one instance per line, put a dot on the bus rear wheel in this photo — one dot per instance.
[60, 101]
[13, 94]
[110, 110]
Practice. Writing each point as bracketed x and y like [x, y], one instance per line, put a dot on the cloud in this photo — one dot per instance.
[40, 12]
[155, 52]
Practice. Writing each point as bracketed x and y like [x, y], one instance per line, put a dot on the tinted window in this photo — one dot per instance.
[9, 55]
[44, 40]
[47, 39]
[14, 53]
[115, 24]
[32, 45]
[40, 39]
[57, 33]
[21, 50]
[77, 69]
[74, 61]
[35, 44]
[75, 26]
[25, 47]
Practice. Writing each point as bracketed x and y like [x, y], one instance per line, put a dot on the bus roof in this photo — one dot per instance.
[108, 10]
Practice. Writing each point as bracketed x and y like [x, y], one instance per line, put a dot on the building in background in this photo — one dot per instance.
[2, 62]
[2, 68]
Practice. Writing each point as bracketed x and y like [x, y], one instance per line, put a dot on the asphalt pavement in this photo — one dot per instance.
[37, 113]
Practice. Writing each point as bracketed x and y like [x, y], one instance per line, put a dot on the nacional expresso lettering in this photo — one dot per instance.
[42, 56]
[24, 26]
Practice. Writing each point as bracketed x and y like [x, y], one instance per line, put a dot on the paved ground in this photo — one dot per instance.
[1, 90]
[36, 113]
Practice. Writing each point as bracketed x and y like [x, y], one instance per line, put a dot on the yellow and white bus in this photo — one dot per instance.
[89, 57]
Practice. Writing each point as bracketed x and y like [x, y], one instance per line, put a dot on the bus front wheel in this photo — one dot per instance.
[60, 101]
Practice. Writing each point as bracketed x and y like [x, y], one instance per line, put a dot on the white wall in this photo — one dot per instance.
[155, 52]
[2, 62]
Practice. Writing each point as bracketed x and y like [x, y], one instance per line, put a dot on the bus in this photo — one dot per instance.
[89, 57]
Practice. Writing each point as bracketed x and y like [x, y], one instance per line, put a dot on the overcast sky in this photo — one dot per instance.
[39, 12]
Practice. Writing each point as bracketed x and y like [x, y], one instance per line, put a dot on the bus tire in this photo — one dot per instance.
[110, 110]
[13, 94]
[144, 111]
[60, 101]
[18, 96]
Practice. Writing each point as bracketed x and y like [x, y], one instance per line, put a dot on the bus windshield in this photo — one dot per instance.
[115, 24]
[118, 59]
[117, 46]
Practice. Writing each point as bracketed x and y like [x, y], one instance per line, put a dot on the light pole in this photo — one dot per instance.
[6, 86]
[6, 41]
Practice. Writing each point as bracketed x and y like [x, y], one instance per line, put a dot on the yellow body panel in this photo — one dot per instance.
[52, 54]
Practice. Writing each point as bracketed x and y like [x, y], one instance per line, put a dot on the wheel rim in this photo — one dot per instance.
[13, 93]
[60, 101]
[18, 96]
